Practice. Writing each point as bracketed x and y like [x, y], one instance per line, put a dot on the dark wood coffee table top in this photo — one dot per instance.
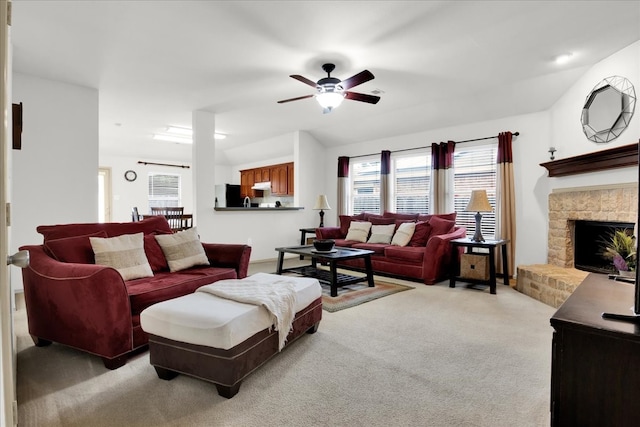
[336, 253]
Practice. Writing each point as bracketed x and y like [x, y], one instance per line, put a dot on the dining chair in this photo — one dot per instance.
[173, 216]
[135, 216]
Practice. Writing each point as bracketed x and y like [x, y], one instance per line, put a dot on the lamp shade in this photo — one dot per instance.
[322, 203]
[330, 99]
[479, 202]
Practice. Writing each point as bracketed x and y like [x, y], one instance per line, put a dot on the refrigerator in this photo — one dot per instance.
[228, 196]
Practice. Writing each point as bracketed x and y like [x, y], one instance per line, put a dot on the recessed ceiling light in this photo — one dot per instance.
[563, 59]
[172, 138]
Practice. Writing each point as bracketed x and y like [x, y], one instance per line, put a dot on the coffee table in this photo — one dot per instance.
[331, 277]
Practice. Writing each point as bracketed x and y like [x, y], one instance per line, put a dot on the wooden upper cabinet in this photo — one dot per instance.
[279, 180]
[281, 177]
[290, 179]
[246, 182]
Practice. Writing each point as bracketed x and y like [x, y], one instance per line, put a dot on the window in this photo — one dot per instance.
[164, 190]
[412, 183]
[104, 194]
[475, 169]
[365, 186]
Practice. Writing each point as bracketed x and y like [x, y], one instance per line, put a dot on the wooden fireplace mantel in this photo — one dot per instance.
[617, 157]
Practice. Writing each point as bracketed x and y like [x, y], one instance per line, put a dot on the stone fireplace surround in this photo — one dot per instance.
[552, 283]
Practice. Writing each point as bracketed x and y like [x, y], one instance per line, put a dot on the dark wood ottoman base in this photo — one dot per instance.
[227, 368]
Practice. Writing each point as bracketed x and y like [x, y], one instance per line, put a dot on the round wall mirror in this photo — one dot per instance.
[608, 109]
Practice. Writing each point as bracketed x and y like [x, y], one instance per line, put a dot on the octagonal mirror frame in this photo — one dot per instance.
[620, 117]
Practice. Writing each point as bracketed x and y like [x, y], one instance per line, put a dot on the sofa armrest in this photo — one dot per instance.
[329, 233]
[437, 257]
[229, 255]
[85, 306]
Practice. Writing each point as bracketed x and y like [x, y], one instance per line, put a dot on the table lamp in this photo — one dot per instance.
[478, 203]
[322, 203]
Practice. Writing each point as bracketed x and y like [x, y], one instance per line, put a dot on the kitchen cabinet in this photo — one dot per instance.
[279, 180]
[280, 176]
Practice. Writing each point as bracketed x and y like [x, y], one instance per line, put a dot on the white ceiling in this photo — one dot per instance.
[438, 63]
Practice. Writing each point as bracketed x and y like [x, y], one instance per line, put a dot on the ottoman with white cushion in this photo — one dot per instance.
[221, 340]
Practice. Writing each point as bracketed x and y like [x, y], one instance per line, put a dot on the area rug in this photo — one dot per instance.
[356, 294]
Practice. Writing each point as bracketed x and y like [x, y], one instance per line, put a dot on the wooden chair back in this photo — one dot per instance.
[173, 215]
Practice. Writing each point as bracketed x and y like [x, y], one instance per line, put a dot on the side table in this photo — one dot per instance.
[470, 245]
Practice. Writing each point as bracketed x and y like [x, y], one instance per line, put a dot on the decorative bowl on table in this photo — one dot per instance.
[324, 245]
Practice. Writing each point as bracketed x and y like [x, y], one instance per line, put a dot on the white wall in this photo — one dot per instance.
[55, 175]
[126, 194]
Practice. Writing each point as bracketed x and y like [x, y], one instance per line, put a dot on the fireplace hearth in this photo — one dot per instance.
[590, 240]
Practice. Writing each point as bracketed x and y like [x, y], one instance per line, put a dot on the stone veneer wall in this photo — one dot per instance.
[552, 283]
[598, 203]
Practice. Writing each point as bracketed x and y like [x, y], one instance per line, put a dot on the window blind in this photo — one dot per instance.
[412, 183]
[475, 169]
[365, 186]
[164, 190]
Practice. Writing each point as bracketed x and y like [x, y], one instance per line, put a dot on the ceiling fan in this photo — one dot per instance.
[332, 91]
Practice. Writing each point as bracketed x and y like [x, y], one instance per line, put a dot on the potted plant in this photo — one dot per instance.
[621, 249]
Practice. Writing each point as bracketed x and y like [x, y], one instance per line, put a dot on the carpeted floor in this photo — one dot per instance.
[433, 356]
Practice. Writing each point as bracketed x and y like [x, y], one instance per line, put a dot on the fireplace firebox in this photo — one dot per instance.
[590, 239]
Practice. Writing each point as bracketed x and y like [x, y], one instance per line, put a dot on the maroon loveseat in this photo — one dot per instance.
[72, 301]
[427, 257]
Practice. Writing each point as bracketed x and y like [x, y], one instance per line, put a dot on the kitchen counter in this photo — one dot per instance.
[257, 209]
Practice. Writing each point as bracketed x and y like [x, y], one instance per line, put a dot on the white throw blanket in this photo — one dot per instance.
[279, 298]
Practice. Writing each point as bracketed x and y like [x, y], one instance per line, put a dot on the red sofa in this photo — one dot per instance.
[72, 301]
[426, 258]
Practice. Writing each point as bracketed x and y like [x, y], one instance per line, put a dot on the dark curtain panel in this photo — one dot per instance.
[506, 198]
[343, 186]
[385, 181]
[442, 177]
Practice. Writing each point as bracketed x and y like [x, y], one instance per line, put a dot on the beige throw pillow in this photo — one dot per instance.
[381, 233]
[358, 231]
[182, 249]
[403, 234]
[124, 253]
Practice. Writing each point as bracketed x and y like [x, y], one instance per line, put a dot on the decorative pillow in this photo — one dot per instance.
[345, 222]
[381, 233]
[154, 253]
[182, 249]
[395, 215]
[380, 220]
[421, 234]
[359, 231]
[403, 234]
[426, 218]
[73, 249]
[124, 253]
[440, 226]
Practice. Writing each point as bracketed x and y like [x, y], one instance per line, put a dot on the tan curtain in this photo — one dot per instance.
[506, 199]
[343, 186]
[385, 181]
[441, 200]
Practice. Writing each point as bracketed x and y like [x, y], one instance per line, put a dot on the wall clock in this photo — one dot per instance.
[130, 175]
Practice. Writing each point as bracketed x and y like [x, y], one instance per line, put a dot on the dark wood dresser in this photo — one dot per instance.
[595, 373]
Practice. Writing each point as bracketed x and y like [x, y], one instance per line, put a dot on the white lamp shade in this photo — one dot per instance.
[330, 99]
[479, 202]
[322, 203]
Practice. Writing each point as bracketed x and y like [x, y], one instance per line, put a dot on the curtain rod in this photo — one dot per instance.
[420, 148]
[163, 164]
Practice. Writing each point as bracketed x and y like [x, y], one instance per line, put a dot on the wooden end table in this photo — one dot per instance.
[470, 245]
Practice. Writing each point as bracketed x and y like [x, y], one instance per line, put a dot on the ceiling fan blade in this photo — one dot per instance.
[361, 77]
[304, 80]
[371, 99]
[295, 99]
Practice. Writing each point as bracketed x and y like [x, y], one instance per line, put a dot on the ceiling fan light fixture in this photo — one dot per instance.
[330, 100]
